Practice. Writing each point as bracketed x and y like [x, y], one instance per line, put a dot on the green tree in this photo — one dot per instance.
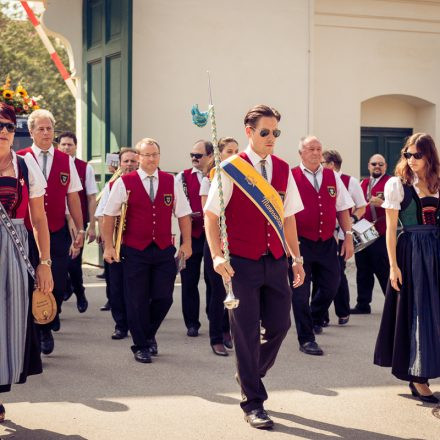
[24, 58]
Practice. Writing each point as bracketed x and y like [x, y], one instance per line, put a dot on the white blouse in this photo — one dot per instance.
[37, 182]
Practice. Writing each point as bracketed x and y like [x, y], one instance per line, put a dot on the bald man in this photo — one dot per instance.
[373, 260]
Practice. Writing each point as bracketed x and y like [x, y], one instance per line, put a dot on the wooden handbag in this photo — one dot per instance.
[44, 307]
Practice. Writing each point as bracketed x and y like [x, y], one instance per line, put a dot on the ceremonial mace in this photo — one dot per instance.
[201, 119]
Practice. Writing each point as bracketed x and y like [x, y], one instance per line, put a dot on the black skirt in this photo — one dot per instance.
[409, 335]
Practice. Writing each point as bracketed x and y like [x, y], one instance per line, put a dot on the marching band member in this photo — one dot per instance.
[373, 260]
[258, 263]
[67, 143]
[115, 282]
[190, 180]
[325, 198]
[219, 329]
[147, 251]
[63, 184]
[333, 160]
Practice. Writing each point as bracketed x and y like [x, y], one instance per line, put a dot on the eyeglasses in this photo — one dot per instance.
[10, 127]
[408, 155]
[197, 155]
[148, 155]
[266, 132]
[377, 164]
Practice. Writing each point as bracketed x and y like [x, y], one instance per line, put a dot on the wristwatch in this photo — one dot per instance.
[298, 260]
[47, 262]
[348, 232]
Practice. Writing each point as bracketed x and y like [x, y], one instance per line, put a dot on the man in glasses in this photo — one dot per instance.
[325, 200]
[373, 260]
[258, 264]
[201, 155]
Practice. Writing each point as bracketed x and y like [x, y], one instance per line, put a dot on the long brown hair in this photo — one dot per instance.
[425, 145]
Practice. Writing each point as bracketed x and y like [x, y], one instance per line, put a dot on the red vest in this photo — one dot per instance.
[81, 167]
[147, 221]
[249, 233]
[377, 191]
[56, 191]
[317, 220]
[345, 180]
[195, 201]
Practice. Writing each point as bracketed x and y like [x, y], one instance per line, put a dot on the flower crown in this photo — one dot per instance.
[19, 99]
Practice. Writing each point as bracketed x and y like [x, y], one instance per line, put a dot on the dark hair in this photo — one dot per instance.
[67, 134]
[259, 111]
[222, 142]
[333, 156]
[425, 145]
[124, 150]
[209, 148]
[7, 112]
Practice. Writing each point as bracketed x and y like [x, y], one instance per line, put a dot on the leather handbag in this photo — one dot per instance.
[44, 307]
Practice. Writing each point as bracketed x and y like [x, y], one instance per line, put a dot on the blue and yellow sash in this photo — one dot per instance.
[259, 191]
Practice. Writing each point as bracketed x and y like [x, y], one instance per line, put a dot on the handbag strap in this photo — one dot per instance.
[7, 222]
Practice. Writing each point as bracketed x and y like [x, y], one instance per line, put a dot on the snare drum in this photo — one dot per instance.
[364, 234]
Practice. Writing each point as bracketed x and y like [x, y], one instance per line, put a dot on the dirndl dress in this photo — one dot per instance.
[409, 335]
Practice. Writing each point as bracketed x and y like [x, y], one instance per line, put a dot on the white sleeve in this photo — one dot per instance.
[393, 194]
[91, 187]
[103, 201]
[213, 202]
[204, 187]
[343, 198]
[292, 202]
[356, 193]
[118, 195]
[75, 182]
[37, 182]
[181, 204]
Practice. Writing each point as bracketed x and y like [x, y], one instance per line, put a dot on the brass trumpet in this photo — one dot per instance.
[120, 228]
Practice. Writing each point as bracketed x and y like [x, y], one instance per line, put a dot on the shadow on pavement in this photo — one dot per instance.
[14, 431]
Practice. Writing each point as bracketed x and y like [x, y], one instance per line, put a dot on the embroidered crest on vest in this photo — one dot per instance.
[168, 199]
[64, 177]
[331, 190]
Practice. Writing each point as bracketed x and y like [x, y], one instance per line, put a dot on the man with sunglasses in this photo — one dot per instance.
[258, 265]
[373, 260]
[190, 179]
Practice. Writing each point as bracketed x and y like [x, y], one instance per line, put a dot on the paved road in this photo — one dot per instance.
[93, 389]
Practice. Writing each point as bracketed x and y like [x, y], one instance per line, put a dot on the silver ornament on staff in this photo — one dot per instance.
[201, 119]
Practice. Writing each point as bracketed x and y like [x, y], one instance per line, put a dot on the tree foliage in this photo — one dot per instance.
[24, 58]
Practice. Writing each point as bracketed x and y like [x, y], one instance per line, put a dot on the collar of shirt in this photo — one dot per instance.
[255, 158]
[38, 150]
[143, 175]
[195, 170]
[317, 172]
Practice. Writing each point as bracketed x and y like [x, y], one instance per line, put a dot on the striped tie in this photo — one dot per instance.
[151, 188]
[263, 168]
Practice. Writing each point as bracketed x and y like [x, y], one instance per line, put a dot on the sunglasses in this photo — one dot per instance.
[377, 164]
[265, 132]
[408, 155]
[9, 126]
[196, 155]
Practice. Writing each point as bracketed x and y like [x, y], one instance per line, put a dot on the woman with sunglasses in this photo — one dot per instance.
[219, 332]
[409, 335]
[22, 186]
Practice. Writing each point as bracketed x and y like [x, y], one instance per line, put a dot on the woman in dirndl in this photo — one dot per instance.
[409, 335]
[22, 187]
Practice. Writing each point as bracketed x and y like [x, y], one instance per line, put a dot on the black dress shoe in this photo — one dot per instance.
[317, 329]
[2, 413]
[259, 419]
[143, 355]
[343, 321]
[192, 332]
[81, 303]
[119, 334]
[47, 342]
[67, 296]
[227, 341]
[360, 310]
[105, 307]
[311, 348]
[325, 323]
[428, 399]
[152, 346]
[56, 324]
[101, 276]
[219, 350]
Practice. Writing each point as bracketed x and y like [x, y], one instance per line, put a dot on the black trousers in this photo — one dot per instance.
[371, 261]
[117, 302]
[59, 254]
[190, 277]
[75, 281]
[217, 314]
[263, 290]
[107, 279]
[149, 277]
[320, 263]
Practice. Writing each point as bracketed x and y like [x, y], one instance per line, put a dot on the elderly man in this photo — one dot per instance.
[63, 184]
[373, 260]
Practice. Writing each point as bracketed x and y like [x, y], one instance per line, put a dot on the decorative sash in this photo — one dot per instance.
[258, 190]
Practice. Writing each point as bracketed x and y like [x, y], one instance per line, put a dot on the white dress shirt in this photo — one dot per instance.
[118, 195]
[91, 186]
[343, 199]
[37, 182]
[75, 182]
[204, 186]
[292, 200]
[103, 201]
